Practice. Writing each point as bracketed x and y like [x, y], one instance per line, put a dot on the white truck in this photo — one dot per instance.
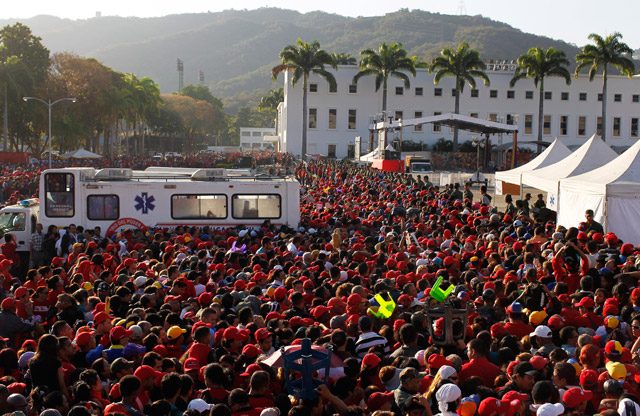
[114, 199]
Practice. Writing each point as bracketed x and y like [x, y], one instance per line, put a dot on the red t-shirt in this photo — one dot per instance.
[518, 329]
[480, 367]
[200, 352]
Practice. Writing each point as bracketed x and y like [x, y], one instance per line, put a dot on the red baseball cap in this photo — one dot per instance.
[83, 338]
[191, 364]
[119, 332]
[588, 302]
[538, 362]
[574, 396]
[377, 399]
[437, 361]
[8, 303]
[252, 368]
[251, 351]
[234, 333]
[498, 330]
[492, 407]
[318, 311]
[262, 334]
[115, 408]
[588, 378]
[20, 292]
[100, 317]
[371, 360]
[145, 371]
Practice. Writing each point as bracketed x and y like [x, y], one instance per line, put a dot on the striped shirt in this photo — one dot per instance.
[368, 340]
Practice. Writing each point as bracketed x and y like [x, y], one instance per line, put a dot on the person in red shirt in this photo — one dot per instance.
[200, 348]
[259, 394]
[9, 250]
[41, 305]
[587, 318]
[570, 269]
[516, 325]
[175, 334]
[479, 365]
[214, 379]
[239, 403]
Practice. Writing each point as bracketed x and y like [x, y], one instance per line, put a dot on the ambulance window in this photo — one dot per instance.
[59, 194]
[256, 206]
[198, 206]
[103, 207]
[12, 221]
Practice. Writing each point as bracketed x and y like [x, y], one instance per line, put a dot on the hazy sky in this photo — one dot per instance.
[570, 20]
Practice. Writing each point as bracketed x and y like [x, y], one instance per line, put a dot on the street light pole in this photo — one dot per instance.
[49, 104]
[478, 144]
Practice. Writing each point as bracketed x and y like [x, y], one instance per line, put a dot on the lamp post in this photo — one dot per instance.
[49, 104]
[478, 144]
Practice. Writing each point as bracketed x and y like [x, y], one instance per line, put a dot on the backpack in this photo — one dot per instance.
[535, 298]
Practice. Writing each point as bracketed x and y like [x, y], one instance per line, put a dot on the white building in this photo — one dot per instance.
[252, 139]
[571, 112]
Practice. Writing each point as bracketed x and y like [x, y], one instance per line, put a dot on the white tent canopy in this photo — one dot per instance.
[611, 191]
[80, 154]
[591, 155]
[552, 154]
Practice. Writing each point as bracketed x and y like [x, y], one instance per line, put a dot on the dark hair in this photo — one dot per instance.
[170, 385]
[129, 384]
[239, 397]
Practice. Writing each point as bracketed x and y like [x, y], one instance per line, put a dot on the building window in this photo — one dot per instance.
[333, 88]
[511, 118]
[246, 133]
[399, 91]
[547, 95]
[616, 127]
[331, 151]
[493, 116]
[437, 92]
[198, 206]
[564, 96]
[634, 127]
[419, 91]
[313, 118]
[528, 95]
[493, 93]
[599, 96]
[353, 88]
[103, 207]
[474, 115]
[352, 120]
[313, 87]
[417, 127]
[256, 206]
[582, 126]
[528, 124]
[333, 118]
[599, 126]
[635, 98]
[546, 124]
[583, 96]
[511, 94]
[256, 134]
[436, 127]
[474, 93]
[398, 115]
[564, 120]
[453, 92]
[617, 98]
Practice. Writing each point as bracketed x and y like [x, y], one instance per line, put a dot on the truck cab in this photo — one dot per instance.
[418, 164]
[20, 220]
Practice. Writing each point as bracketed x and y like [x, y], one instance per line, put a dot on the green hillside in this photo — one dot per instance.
[236, 49]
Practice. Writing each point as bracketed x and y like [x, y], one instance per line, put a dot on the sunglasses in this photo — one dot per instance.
[635, 326]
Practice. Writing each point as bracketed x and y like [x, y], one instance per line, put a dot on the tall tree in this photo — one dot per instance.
[604, 52]
[271, 101]
[302, 60]
[465, 65]
[10, 71]
[389, 61]
[538, 64]
[18, 40]
[342, 58]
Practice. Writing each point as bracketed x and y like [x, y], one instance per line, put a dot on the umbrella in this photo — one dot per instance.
[275, 359]
[80, 154]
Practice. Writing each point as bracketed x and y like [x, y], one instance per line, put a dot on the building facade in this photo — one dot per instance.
[571, 112]
[252, 139]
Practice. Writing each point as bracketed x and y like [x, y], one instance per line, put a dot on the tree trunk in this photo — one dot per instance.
[540, 115]
[304, 119]
[604, 104]
[456, 111]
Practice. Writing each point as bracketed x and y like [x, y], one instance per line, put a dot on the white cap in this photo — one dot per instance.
[270, 411]
[541, 331]
[242, 233]
[549, 409]
[140, 281]
[200, 405]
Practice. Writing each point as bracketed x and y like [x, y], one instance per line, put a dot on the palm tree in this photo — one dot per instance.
[271, 101]
[144, 101]
[388, 61]
[304, 59]
[538, 64]
[343, 58]
[606, 51]
[465, 65]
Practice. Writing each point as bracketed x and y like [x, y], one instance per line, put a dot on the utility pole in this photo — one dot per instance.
[180, 75]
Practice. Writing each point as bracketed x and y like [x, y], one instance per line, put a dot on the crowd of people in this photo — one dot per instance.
[542, 319]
